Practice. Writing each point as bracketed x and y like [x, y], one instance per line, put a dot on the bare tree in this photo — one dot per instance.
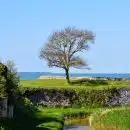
[63, 47]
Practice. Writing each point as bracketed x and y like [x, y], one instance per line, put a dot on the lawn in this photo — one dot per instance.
[61, 83]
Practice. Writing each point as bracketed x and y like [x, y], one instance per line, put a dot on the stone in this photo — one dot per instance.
[120, 98]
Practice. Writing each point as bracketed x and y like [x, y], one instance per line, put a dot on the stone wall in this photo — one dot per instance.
[120, 98]
[65, 98]
[51, 98]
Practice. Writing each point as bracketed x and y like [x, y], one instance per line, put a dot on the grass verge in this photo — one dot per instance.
[117, 118]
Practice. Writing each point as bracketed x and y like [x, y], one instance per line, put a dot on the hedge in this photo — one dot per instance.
[77, 97]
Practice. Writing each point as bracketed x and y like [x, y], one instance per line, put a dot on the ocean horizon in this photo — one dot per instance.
[35, 75]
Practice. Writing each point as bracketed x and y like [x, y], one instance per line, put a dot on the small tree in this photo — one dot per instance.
[13, 82]
[63, 47]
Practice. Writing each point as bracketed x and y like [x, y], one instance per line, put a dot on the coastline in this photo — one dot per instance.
[42, 75]
[63, 77]
[81, 78]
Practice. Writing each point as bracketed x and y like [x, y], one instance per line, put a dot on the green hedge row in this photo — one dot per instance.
[93, 97]
[78, 98]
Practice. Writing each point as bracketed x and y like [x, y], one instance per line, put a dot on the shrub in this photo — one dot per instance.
[12, 88]
[79, 98]
[3, 76]
[9, 81]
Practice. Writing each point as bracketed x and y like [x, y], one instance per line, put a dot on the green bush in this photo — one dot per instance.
[93, 97]
[12, 88]
[9, 82]
[3, 78]
[77, 98]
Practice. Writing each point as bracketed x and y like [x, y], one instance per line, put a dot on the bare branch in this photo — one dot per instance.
[62, 48]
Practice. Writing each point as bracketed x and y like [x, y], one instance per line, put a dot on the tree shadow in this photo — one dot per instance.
[27, 118]
[87, 82]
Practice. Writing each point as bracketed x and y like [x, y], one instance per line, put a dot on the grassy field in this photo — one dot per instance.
[117, 118]
[60, 83]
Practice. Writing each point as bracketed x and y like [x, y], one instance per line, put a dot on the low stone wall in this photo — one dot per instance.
[51, 98]
[67, 98]
[120, 98]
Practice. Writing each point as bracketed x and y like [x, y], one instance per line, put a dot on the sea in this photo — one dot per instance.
[35, 75]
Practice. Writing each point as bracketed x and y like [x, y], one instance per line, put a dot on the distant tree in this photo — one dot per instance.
[63, 49]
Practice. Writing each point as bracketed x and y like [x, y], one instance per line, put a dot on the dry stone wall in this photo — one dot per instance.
[67, 98]
[120, 98]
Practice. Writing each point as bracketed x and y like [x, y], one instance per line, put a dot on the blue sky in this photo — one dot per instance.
[26, 24]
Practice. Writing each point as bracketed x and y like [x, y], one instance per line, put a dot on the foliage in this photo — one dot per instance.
[63, 47]
[2, 87]
[3, 74]
[94, 97]
[12, 88]
[76, 97]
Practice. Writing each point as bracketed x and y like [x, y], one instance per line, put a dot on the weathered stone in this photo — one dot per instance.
[50, 99]
[120, 98]
[59, 99]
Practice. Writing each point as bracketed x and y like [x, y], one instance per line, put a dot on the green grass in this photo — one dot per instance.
[67, 112]
[29, 117]
[61, 83]
[117, 118]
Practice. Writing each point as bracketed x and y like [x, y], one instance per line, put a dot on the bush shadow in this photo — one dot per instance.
[27, 117]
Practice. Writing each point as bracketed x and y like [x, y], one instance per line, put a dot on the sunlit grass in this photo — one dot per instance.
[111, 119]
[61, 83]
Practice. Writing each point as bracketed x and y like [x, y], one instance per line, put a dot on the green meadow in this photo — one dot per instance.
[61, 83]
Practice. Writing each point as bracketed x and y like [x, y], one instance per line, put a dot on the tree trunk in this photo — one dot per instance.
[67, 75]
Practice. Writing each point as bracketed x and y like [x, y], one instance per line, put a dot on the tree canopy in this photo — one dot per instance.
[63, 47]
[9, 81]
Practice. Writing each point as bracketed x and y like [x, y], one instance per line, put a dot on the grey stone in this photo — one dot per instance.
[120, 98]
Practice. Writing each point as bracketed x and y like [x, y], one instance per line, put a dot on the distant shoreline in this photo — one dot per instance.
[42, 75]
[62, 77]
[81, 77]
